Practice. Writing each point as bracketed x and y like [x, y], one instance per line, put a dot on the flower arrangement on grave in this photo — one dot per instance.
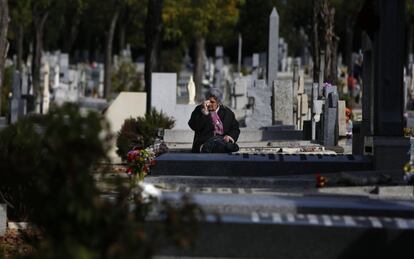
[321, 181]
[409, 166]
[139, 163]
[409, 173]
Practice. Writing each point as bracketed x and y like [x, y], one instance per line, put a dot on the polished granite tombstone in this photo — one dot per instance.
[263, 165]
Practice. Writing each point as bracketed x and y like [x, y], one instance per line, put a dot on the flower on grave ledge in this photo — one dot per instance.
[408, 173]
[408, 132]
[139, 162]
[326, 84]
[321, 181]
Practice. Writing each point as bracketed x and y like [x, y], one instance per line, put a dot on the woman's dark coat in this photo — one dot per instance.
[203, 126]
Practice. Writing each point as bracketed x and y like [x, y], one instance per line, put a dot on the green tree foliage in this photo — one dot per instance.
[193, 21]
[21, 18]
[142, 131]
[49, 167]
[126, 78]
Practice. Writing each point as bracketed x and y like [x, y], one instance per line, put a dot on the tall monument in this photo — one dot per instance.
[272, 55]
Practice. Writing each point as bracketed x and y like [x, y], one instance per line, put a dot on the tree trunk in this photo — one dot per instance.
[153, 33]
[410, 39]
[20, 35]
[328, 16]
[334, 63]
[73, 33]
[122, 31]
[4, 25]
[39, 23]
[315, 41]
[108, 56]
[198, 67]
[349, 41]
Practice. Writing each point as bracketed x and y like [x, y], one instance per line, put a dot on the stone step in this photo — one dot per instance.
[300, 236]
[257, 165]
[246, 226]
[293, 203]
[282, 132]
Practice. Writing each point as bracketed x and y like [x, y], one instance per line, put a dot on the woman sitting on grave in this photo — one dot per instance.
[215, 126]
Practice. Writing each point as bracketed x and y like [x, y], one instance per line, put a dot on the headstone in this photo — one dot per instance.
[283, 101]
[301, 83]
[390, 148]
[259, 98]
[255, 64]
[163, 95]
[164, 98]
[25, 81]
[3, 219]
[64, 66]
[56, 78]
[46, 95]
[101, 80]
[240, 92]
[342, 118]
[126, 105]
[330, 117]
[273, 48]
[16, 103]
[316, 109]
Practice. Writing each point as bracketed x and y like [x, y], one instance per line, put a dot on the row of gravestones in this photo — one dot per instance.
[66, 85]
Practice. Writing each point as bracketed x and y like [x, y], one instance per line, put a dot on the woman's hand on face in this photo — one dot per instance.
[206, 103]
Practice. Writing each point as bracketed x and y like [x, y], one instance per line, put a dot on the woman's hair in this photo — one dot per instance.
[215, 93]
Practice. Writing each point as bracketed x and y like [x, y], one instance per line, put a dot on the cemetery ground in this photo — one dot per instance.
[279, 211]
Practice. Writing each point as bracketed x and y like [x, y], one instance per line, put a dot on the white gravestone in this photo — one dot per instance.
[342, 118]
[46, 95]
[126, 105]
[259, 96]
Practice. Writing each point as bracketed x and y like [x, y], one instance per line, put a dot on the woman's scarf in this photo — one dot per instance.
[218, 125]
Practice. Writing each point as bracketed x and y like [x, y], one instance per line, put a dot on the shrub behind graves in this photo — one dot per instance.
[141, 132]
[54, 161]
[20, 156]
[6, 89]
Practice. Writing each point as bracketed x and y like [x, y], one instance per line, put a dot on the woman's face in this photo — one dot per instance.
[212, 106]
